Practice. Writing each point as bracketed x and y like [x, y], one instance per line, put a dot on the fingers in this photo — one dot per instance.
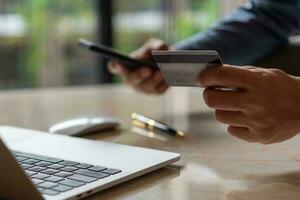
[113, 67]
[144, 79]
[118, 69]
[227, 76]
[139, 76]
[162, 88]
[133, 78]
[232, 118]
[242, 133]
[280, 138]
[225, 100]
[145, 52]
[154, 85]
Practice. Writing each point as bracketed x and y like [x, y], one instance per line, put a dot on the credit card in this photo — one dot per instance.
[183, 67]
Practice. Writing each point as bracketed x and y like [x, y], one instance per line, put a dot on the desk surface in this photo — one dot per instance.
[214, 165]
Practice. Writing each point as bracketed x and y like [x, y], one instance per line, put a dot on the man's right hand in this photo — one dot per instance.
[144, 79]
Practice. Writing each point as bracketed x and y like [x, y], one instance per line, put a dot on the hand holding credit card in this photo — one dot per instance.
[183, 67]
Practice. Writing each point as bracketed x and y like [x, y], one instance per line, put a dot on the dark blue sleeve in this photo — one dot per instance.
[250, 32]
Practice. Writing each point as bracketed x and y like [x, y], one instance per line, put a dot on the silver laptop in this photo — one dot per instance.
[37, 165]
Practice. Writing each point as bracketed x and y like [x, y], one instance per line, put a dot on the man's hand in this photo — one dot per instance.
[144, 79]
[265, 108]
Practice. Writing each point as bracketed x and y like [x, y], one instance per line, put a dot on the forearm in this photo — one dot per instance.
[250, 32]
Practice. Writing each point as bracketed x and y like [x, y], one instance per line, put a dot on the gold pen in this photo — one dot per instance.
[145, 122]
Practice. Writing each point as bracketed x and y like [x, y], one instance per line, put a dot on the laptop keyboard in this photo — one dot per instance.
[53, 176]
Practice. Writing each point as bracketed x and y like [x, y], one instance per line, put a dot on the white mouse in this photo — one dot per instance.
[85, 125]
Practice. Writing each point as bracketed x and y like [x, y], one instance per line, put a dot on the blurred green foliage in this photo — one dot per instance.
[42, 18]
[185, 24]
[181, 26]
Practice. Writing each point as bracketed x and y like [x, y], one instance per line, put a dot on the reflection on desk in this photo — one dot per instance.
[214, 165]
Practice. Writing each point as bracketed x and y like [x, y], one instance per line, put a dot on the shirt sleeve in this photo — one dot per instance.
[250, 32]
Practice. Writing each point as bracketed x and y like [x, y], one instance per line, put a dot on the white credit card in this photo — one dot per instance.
[183, 67]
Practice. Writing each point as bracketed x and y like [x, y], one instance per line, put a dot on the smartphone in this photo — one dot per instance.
[114, 55]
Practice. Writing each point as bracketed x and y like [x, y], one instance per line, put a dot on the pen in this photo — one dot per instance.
[145, 122]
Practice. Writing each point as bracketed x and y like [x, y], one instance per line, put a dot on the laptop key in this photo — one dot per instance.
[68, 169]
[26, 166]
[30, 173]
[43, 164]
[52, 160]
[84, 166]
[85, 179]
[63, 174]
[36, 181]
[30, 161]
[37, 169]
[40, 176]
[71, 183]
[47, 185]
[97, 168]
[111, 171]
[20, 159]
[50, 171]
[54, 179]
[68, 163]
[55, 166]
[62, 188]
[17, 153]
[41, 189]
[91, 173]
[37, 157]
[50, 192]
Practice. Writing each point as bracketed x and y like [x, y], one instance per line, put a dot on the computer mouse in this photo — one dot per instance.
[85, 125]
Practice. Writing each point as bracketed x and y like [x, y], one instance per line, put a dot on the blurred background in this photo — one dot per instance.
[38, 37]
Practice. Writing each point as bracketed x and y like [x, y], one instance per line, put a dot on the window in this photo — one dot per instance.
[37, 42]
[38, 37]
[171, 20]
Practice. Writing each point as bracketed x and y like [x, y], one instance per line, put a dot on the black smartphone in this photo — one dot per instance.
[114, 55]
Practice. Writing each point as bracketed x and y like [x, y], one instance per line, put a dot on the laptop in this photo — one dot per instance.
[37, 165]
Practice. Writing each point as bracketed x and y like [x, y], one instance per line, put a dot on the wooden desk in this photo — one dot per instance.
[214, 165]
